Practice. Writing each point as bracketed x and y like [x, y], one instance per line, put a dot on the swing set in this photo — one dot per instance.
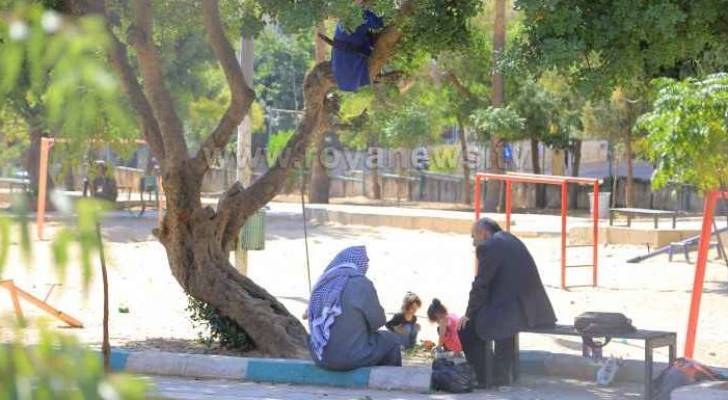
[563, 181]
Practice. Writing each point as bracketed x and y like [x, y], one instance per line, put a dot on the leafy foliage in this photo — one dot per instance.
[276, 143]
[53, 73]
[445, 158]
[688, 132]
[604, 44]
[220, 329]
[503, 121]
[58, 367]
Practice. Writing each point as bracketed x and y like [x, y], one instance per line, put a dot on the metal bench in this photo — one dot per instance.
[652, 340]
[643, 212]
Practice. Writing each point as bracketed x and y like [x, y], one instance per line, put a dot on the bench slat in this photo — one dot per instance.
[570, 330]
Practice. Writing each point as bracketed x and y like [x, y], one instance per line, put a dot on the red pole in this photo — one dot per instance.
[509, 204]
[595, 236]
[45, 146]
[564, 205]
[703, 247]
[476, 196]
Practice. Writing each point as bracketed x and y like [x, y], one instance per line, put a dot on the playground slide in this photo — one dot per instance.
[691, 241]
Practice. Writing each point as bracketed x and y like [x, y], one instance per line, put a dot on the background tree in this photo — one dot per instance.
[606, 46]
[688, 133]
[52, 77]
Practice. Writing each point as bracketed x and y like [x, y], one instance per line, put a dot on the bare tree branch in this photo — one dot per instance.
[241, 95]
[140, 37]
[239, 203]
[119, 60]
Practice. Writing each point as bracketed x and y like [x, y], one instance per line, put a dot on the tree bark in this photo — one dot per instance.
[575, 167]
[497, 163]
[376, 186]
[536, 163]
[467, 187]
[320, 183]
[629, 187]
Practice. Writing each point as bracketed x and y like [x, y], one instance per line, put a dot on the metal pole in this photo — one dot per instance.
[595, 236]
[564, 205]
[703, 247]
[244, 153]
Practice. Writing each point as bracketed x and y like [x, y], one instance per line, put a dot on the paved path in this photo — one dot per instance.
[531, 389]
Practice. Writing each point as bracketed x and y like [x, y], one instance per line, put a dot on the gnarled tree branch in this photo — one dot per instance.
[241, 95]
[150, 66]
[387, 41]
[238, 203]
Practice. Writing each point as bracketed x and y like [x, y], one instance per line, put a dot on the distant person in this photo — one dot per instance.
[507, 296]
[103, 186]
[344, 317]
[447, 326]
[404, 323]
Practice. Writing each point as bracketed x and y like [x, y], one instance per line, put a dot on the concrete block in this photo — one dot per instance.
[570, 366]
[702, 391]
[187, 365]
[415, 379]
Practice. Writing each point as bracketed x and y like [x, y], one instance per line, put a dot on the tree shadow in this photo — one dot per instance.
[188, 346]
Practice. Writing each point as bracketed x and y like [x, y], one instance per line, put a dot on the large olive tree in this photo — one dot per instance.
[198, 238]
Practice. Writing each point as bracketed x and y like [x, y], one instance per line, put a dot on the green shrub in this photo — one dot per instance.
[219, 329]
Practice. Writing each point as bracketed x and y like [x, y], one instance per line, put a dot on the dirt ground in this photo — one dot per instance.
[148, 306]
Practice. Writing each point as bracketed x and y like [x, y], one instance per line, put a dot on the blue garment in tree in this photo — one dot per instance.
[351, 51]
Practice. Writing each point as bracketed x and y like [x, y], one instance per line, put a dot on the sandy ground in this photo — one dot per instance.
[655, 294]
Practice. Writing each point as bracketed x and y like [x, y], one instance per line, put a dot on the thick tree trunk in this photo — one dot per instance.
[575, 166]
[536, 163]
[318, 191]
[199, 261]
[497, 163]
[629, 187]
[467, 187]
[320, 181]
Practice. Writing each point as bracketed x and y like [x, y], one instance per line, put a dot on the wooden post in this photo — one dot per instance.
[17, 293]
[16, 302]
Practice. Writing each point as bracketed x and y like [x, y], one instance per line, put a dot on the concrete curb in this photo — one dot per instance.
[298, 372]
[301, 372]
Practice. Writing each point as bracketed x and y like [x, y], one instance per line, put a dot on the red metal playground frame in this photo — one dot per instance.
[711, 200]
[563, 181]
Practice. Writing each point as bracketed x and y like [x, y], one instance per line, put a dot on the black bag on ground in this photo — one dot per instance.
[602, 324]
[451, 377]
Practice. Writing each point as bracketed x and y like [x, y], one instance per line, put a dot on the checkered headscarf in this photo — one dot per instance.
[325, 303]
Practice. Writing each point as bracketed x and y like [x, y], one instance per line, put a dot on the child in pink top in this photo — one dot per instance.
[447, 326]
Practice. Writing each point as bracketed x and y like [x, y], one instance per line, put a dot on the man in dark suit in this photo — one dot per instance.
[506, 297]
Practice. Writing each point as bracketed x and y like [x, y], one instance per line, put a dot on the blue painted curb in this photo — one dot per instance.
[302, 372]
[118, 359]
